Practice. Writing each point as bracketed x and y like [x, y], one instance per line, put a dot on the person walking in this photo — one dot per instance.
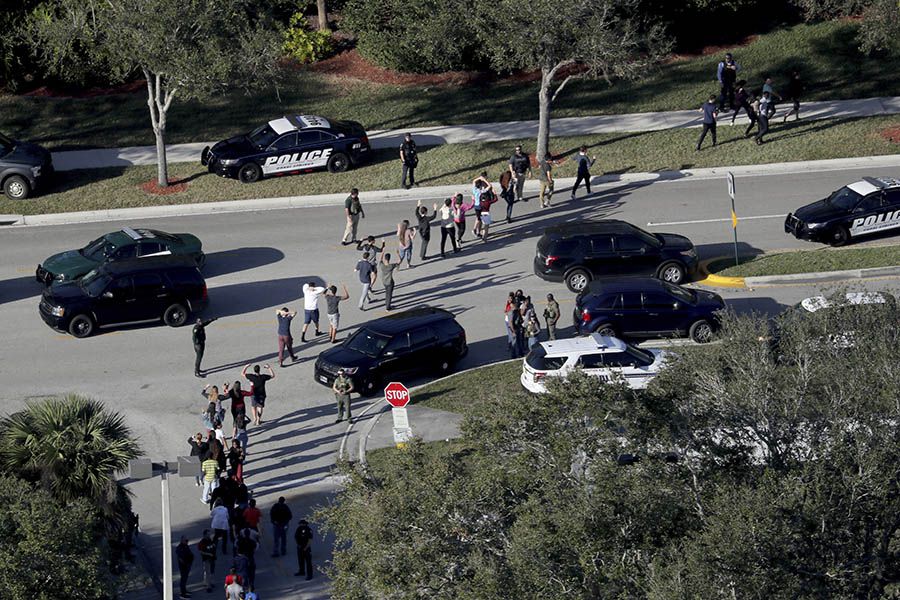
[387, 279]
[369, 246]
[479, 185]
[220, 523]
[551, 316]
[304, 536]
[234, 589]
[366, 272]
[459, 217]
[532, 331]
[311, 293]
[409, 159]
[742, 100]
[210, 469]
[332, 310]
[342, 388]
[252, 515]
[507, 327]
[769, 87]
[517, 330]
[710, 112]
[200, 449]
[198, 336]
[793, 92]
[488, 198]
[258, 381]
[448, 227]
[236, 452]
[285, 340]
[207, 549]
[726, 74]
[185, 558]
[545, 177]
[522, 329]
[519, 168]
[353, 210]
[762, 117]
[405, 235]
[281, 516]
[424, 227]
[584, 170]
[238, 405]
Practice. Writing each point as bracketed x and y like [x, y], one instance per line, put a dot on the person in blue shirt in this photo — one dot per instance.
[584, 170]
[710, 112]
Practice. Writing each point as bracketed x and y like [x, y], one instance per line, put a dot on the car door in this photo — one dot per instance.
[592, 364]
[600, 258]
[633, 369]
[116, 302]
[636, 255]
[124, 252]
[868, 216]
[395, 356]
[424, 352]
[629, 315]
[280, 156]
[152, 297]
[316, 147]
[151, 248]
[660, 312]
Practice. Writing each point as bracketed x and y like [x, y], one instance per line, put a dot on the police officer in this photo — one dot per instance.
[551, 316]
[519, 166]
[409, 158]
[342, 388]
[199, 337]
[303, 536]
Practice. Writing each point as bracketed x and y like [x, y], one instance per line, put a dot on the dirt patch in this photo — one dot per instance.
[708, 50]
[175, 186]
[126, 88]
[892, 134]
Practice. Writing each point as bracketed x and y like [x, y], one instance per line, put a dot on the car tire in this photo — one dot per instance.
[338, 163]
[839, 237]
[249, 173]
[606, 330]
[16, 187]
[577, 280]
[204, 156]
[176, 315]
[701, 331]
[369, 386]
[671, 272]
[81, 326]
[444, 366]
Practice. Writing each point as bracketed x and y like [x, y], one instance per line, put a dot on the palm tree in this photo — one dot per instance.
[73, 447]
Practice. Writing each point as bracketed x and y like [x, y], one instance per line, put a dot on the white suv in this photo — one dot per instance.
[607, 358]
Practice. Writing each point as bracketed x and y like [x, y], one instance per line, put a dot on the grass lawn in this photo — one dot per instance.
[815, 261]
[826, 54]
[379, 459]
[457, 393]
[458, 163]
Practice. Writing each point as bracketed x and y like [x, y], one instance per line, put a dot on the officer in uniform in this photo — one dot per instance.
[409, 158]
[551, 316]
[199, 337]
[342, 388]
[519, 166]
[303, 536]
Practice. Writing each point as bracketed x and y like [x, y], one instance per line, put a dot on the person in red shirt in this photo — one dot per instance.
[252, 515]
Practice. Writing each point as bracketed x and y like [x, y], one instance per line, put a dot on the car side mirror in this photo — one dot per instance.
[389, 353]
[107, 294]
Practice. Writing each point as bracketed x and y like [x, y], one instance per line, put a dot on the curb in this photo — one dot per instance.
[824, 276]
[711, 279]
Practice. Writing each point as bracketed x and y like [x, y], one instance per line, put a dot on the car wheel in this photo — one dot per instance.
[577, 280]
[606, 330]
[16, 187]
[369, 387]
[204, 156]
[81, 326]
[338, 163]
[250, 173]
[701, 331]
[444, 366]
[175, 315]
[672, 272]
[839, 236]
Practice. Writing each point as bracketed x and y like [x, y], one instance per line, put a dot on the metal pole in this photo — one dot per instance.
[734, 217]
[168, 586]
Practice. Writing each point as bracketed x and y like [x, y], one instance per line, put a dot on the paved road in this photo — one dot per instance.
[257, 263]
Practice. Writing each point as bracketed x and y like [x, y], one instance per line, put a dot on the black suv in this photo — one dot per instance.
[578, 252]
[131, 291]
[24, 167]
[419, 340]
[648, 308]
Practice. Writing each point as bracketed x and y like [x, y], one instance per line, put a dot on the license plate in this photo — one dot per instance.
[323, 379]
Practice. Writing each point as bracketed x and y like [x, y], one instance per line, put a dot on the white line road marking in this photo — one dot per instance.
[725, 220]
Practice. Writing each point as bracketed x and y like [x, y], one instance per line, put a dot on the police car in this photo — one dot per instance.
[287, 146]
[607, 358]
[871, 205]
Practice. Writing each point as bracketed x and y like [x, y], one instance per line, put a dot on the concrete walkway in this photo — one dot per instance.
[478, 132]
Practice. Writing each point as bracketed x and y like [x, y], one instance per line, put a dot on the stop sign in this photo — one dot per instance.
[396, 394]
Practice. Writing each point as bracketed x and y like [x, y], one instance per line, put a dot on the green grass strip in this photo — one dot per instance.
[816, 261]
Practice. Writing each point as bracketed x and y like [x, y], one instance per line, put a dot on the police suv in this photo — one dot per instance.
[871, 205]
[287, 146]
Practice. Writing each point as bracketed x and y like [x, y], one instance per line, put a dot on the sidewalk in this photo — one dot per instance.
[479, 132]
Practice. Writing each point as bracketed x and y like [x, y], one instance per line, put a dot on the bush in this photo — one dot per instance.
[305, 45]
[816, 10]
[880, 28]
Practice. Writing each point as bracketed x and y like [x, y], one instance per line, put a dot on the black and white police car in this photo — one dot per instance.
[870, 205]
[287, 146]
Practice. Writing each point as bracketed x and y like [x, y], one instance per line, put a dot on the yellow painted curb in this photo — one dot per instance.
[714, 280]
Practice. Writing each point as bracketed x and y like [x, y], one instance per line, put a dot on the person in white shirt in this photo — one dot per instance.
[311, 295]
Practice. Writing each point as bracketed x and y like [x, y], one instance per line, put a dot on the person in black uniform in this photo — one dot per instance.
[519, 167]
[199, 338]
[409, 158]
[303, 536]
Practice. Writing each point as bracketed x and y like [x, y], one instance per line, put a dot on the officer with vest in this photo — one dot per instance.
[303, 536]
[409, 158]
[342, 388]
[551, 316]
[519, 166]
[198, 336]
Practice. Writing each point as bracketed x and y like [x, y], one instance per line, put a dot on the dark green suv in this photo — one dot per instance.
[125, 244]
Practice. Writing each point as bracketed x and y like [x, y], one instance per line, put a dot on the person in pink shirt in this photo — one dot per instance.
[460, 208]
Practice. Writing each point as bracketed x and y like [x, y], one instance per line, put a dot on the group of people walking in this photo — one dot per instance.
[521, 323]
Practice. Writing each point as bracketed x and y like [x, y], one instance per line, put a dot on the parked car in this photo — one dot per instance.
[576, 253]
[131, 291]
[607, 358]
[870, 205]
[25, 168]
[645, 307]
[406, 344]
[125, 244]
[287, 146]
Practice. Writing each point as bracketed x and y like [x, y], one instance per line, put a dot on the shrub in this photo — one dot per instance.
[305, 45]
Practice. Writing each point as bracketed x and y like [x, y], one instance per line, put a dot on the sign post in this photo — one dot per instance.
[734, 219]
[397, 395]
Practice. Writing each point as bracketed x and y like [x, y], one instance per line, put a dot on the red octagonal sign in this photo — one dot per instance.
[396, 394]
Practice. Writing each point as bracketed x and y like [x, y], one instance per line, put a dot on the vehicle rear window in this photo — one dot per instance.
[562, 246]
[538, 359]
[601, 244]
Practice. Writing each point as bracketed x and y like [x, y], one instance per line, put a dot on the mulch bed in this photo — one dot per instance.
[125, 88]
[892, 134]
[175, 186]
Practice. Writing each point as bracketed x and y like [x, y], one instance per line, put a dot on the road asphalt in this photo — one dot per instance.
[477, 132]
[257, 262]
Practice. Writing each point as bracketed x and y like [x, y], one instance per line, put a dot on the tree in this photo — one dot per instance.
[190, 49]
[73, 447]
[322, 10]
[880, 27]
[580, 38]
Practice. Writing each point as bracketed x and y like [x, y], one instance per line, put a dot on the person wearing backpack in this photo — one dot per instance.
[354, 211]
[303, 536]
[409, 158]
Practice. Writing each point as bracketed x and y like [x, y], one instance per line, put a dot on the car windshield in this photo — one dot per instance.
[683, 294]
[538, 359]
[98, 250]
[367, 342]
[94, 283]
[643, 357]
[844, 198]
[263, 136]
[6, 145]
